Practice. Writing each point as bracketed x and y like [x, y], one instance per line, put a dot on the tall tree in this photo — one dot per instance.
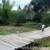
[39, 4]
[6, 8]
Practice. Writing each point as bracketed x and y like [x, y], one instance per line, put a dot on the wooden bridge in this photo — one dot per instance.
[10, 42]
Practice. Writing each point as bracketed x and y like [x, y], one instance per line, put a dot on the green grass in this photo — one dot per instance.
[4, 33]
[45, 42]
[32, 26]
[11, 29]
[15, 29]
[29, 26]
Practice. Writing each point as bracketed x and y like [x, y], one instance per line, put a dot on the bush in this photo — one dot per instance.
[46, 20]
[37, 18]
[20, 19]
[32, 25]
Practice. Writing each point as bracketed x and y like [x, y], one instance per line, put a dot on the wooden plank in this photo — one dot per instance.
[19, 40]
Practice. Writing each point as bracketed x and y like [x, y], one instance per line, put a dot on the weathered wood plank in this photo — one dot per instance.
[18, 40]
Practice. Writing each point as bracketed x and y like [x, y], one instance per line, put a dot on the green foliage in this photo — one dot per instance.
[37, 18]
[40, 9]
[20, 18]
[45, 42]
[12, 18]
[46, 21]
[4, 33]
[45, 18]
[5, 10]
[8, 17]
[32, 25]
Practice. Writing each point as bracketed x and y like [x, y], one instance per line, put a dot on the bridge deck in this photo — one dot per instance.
[9, 42]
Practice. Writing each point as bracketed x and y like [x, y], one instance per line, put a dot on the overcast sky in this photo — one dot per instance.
[16, 3]
[22, 3]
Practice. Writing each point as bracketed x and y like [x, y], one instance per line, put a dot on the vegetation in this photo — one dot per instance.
[4, 33]
[4, 30]
[45, 42]
[32, 12]
[35, 13]
[6, 9]
[23, 20]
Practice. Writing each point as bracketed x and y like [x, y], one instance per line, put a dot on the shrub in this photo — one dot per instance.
[20, 19]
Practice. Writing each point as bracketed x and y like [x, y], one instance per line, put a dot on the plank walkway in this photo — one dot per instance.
[9, 42]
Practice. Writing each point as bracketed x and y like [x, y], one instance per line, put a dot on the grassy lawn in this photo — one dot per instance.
[32, 26]
[45, 42]
[14, 29]
[4, 30]
[4, 33]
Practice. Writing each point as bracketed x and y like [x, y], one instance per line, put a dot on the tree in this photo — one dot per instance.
[12, 18]
[37, 18]
[48, 4]
[20, 18]
[39, 6]
[6, 9]
[19, 7]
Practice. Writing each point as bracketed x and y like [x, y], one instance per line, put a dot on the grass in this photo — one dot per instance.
[4, 33]
[14, 29]
[45, 42]
[32, 25]
[11, 29]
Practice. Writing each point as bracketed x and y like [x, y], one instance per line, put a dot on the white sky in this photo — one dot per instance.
[22, 3]
[16, 3]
